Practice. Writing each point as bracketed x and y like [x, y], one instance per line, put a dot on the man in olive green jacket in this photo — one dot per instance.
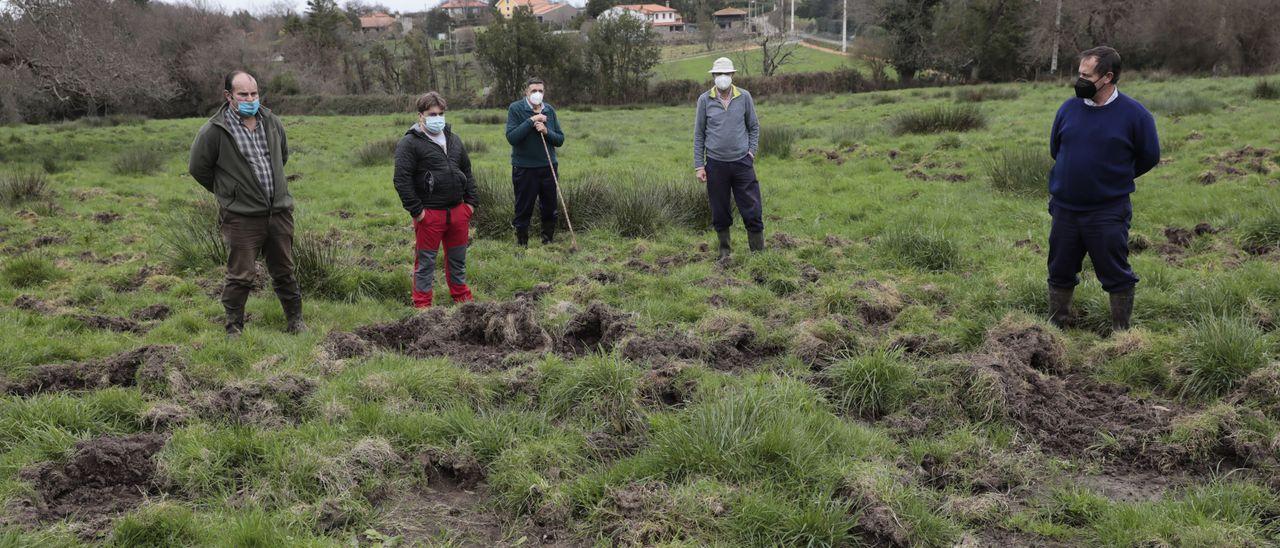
[239, 156]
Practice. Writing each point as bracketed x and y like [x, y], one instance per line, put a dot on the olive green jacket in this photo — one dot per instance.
[219, 166]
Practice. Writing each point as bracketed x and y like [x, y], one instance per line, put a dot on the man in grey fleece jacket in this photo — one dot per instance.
[726, 135]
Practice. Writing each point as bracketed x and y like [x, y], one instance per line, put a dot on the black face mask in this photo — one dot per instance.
[1085, 88]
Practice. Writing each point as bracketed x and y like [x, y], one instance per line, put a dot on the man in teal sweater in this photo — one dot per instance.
[534, 133]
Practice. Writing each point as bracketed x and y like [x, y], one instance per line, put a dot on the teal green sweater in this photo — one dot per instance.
[526, 146]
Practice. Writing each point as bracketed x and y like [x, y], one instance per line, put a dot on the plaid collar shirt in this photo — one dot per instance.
[253, 144]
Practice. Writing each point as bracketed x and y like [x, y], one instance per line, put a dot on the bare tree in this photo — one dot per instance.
[776, 52]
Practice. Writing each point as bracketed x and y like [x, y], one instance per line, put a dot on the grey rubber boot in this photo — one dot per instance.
[1121, 309]
[1060, 306]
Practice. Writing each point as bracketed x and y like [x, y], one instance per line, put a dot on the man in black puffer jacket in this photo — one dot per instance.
[434, 180]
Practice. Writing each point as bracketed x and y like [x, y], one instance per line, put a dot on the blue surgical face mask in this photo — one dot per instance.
[248, 108]
[433, 124]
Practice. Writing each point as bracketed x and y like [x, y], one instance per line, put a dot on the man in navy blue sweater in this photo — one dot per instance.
[1101, 141]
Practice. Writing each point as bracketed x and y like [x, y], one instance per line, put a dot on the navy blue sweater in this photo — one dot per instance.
[1099, 151]
[526, 144]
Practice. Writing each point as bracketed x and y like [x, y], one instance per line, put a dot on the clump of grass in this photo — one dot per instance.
[1022, 170]
[487, 118]
[777, 141]
[31, 271]
[112, 120]
[939, 119]
[871, 385]
[978, 95]
[322, 266]
[192, 238]
[847, 136]
[377, 152]
[161, 524]
[1183, 105]
[604, 149]
[603, 388]
[475, 146]
[16, 188]
[921, 248]
[1261, 233]
[950, 141]
[1220, 351]
[884, 99]
[1266, 89]
[137, 161]
[52, 165]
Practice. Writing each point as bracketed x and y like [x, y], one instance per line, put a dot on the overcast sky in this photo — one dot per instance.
[259, 6]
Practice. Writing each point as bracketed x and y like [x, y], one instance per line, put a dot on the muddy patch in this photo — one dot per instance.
[480, 335]
[106, 217]
[109, 323]
[153, 313]
[103, 478]
[33, 304]
[149, 366]
[276, 401]
[877, 522]
[1237, 163]
[598, 328]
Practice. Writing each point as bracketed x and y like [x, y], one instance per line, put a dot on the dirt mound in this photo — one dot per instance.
[105, 476]
[662, 385]
[661, 348]
[32, 304]
[598, 328]
[155, 312]
[536, 292]
[782, 240]
[106, 217]
[1262, 389]
[276, 401]
[459, 469]
[640, 514]
[1071, 415]
[1237, 163]
[477, 334]
[148, 365]
[109, 323]
[877, 522]
[734, 344]
[342, 345]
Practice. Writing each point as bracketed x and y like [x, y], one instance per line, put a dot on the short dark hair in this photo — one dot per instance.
[431, 99]
[226, 82]
[1108, 61]
[532, 81]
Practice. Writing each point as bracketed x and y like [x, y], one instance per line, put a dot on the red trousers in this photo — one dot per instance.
[447, 226]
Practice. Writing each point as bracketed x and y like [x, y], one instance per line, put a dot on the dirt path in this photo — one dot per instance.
[820, 48]
[709, 54]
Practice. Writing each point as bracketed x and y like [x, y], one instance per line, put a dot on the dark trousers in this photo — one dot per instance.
[448, 227]
[1103, 234]
[534, 184]
[246, 237]
[739, 180]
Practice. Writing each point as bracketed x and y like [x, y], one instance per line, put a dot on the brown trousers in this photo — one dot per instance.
[246, 237]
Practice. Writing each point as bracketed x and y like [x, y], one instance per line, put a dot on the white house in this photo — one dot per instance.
[658, 16]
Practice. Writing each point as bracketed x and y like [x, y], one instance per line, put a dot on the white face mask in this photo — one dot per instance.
[535, 98]
[723, 82]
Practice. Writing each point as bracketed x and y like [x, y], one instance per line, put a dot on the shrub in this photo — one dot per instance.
[604, 149]
[920, 248]
[16, 188]
[978, 95]
[322, 266]
[192, 238]
[31, 271]
[484, 118]
[1261, 233]
[138, 161]
[871, 385]
[377, 152]
[1266, 89]
[939, 119]
[1183, 105]
[777, 141]
[1220, 351]
[1023, 170]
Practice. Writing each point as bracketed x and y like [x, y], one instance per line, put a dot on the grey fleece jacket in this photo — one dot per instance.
[725, 135]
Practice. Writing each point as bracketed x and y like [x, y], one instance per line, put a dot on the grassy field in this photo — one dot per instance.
[880, 375]
[748, 64]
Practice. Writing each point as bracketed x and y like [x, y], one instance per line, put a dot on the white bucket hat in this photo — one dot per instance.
[722, 65]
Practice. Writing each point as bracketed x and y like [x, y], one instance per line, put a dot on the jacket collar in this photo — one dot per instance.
[219, 118]
[715, 95]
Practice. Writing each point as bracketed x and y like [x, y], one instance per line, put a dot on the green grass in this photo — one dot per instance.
[19, 188]
[807, 423]
[939, 119]
[695, 68]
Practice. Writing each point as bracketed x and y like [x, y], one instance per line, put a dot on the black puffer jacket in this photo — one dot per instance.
[428, 178]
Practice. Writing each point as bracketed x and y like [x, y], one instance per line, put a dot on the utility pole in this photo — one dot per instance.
[793, 16]
[844, 28]
[1057, 34]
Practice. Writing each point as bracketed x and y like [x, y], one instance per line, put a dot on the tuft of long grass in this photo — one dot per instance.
[939, 119]
[1183, 104]
[16, 188]
[485, 118]
[1220, 351]
[986, 93]
[600, 388]
[323, 266]
[377, 152]
[604, 149]
[1022, 170]
[112, 120]
[1261, 233]
[31, 271]
[160, 524]
[1266, 89]
[777, 141]
[476, 146]
[871, 385]
[192, 238]
[138, 161]
[921, 248]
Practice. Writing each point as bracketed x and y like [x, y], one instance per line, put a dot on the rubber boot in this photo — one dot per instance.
[724, 248]
[235, 324]
[755, 241]
[293, 317]
[548, 233]
[1060, 305]
[1121, 309]
[522, 237]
